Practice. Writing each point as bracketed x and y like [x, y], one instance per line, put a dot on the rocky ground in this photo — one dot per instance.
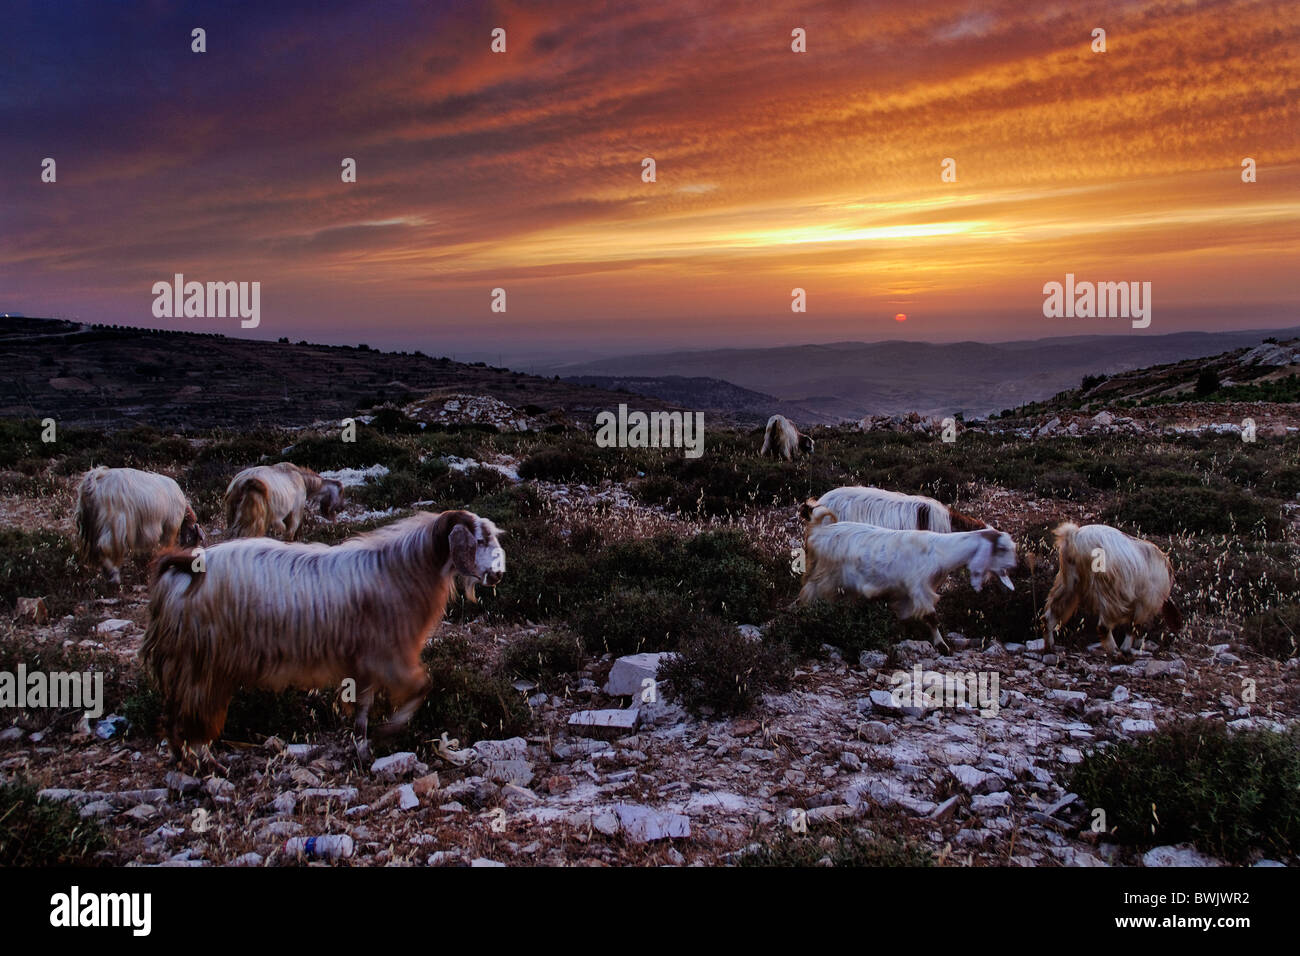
[608, 778]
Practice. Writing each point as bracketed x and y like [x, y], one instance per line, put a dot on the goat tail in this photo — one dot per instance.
[1064, 534]
[87, 516]
[248, 509]
[821, 515]
[961, 522]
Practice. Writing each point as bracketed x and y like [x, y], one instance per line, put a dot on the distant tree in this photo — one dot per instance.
[283, 340]
[1207, 383]
[1090, 382]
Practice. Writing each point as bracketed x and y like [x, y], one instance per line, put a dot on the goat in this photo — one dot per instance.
[268, 498]
[782, 440]
[268, 614]
[903, 567]
[1120, 582]
[123, 510]
[325, 493]
[890, 509]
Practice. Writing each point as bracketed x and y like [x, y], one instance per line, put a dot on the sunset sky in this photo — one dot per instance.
[522, 170]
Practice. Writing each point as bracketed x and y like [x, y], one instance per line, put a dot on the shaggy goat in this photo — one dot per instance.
[1119, 582]
[268, 498]
[263, 613]
[782, 440]
[122, 510]
[890, 509]
[904, 567]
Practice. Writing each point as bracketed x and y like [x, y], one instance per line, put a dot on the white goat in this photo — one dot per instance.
[782, 440]
[903, 567]
[121, 511]
[890, 509]
[1118, 581]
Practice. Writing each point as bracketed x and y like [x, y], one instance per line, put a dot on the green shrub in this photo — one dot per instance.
[467, 699]
[330, 452]
[43, 563]
[1196, 509]
[718, 670]
[632, 620]
[44, 833]
[1194, 781]
[1275, 632]
[852, 845]
[291, 714]
[851, 626]
[544, 657]
[393, 421]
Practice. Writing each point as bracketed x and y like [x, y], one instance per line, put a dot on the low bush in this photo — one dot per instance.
[44, 833]
[720, 671]
[1194, 781]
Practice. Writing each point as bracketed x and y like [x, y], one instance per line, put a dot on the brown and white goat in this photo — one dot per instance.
[263, 613]
[1119, 582]
[268, 498]
[124, 511]
[902, 567]
[782, 440]
[890, 509]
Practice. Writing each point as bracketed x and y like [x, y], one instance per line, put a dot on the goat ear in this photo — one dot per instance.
[979, 564]
[463, 548]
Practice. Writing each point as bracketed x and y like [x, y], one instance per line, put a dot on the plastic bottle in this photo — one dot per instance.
[329, 847]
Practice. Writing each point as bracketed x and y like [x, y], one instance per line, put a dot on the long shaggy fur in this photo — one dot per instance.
[782, 440]
[326, 493]
[263, 499]
[903, 567]
[1134, 588]
[121, 511]
[263, 613]
[890, 509]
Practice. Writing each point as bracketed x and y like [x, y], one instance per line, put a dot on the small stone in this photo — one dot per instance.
[181, 782]
[397, 765]
[642, 824]
[142, 812]
[944, 811]
[315, 795]
[96, 809]
[872, 660]
[1132, 725]
[834, 812]
[1181, 855]
[875, 732]
[974, 780]
[1119, 694]
[509, 771]
[113, 625]
[515, 748]
[607, 724]
[628, 675]
[983, 803]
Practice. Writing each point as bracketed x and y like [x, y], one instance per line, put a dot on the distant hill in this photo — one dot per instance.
[850, 380]
[1267, 372]
[744, 405]
[117, 377]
